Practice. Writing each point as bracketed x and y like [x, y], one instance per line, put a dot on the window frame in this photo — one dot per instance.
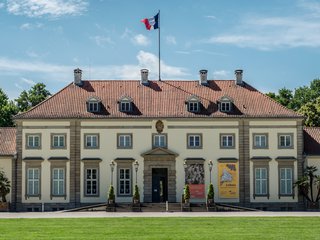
[165, 140]
[86, 135]
[125, 106]
[254, 135]
[53, 135]
[33, 135]
[287, 163]
[119, 146]
[286, 180]
[189, 136]
[264, 164]
[225, 106]
[291, 135]
[222, 135]
[193, 106]
[34, 181]
[86, 194]
[59, 181]
[93, 106]
[124, 180]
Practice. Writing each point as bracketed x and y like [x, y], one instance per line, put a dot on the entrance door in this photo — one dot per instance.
[159, 184]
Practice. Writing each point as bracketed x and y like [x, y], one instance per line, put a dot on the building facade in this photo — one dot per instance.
[159, 135]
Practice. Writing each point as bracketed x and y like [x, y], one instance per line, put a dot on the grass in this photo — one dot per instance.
[162, 228]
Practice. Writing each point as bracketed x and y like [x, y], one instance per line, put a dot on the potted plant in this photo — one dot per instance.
[210, 195]
[186, 193]
[136, 195]
[4, 190]
[111, 196]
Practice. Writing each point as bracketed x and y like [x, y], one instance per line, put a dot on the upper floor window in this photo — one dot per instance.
[91, 141]
[58, 141]
[33, 140]
[227, 141]
[160, 140]
[225, 104]
[93, 104]
[193, 104]
[194, 141]
[125, 104]
[260, 141]
[285, 140]
[124, 141]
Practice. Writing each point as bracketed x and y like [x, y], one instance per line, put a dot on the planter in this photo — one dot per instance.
[312, 206]
[210, 201]
[111, 201]
[136, 201]
[4, 207]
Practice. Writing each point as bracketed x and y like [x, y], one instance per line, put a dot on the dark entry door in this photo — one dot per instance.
[159, 184]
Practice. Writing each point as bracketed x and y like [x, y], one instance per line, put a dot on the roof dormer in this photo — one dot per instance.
[193, 104]
[225, 104]
[125, 104]
[93, 104]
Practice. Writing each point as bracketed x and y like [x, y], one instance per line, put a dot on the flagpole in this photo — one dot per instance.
[159, 43]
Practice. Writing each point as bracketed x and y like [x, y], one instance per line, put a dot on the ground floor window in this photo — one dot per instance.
[33, 181]
[91, 182]
[58, 182]
[124, 181]
[261, 181]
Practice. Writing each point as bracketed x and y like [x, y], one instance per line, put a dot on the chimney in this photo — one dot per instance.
[238, 74]
[203, 77]
[144, 77]
[78, 77]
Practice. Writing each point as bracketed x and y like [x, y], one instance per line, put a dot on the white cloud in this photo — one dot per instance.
[220, 74]
[1, 5]
[211, 17]
[30, 26]
[171, 40]
[61, 73]
[102, 41]
[50, 8]
[312, 6]
[18, 86]
[28, 81]
[140, 40]
[183, 52]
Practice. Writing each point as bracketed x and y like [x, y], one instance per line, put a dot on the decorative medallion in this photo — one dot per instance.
[159, 126]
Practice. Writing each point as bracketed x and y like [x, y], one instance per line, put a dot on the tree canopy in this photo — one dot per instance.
[24, 102]
[304, 100]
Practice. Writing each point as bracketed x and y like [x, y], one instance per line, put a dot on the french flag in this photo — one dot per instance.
[151, 23]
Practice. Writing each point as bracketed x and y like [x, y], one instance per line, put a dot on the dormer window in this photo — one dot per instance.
[125, 104]
[93, 104]
[225, 104]
[193, 104]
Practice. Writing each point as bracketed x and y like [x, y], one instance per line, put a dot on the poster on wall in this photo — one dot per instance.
[228, 180]
[195, 180]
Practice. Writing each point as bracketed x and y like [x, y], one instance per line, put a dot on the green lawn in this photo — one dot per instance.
[162, 228]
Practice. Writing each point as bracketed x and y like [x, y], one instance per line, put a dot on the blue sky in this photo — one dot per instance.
[275, 42]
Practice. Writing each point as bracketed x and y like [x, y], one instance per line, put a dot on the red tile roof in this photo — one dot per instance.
[7, 141]
[161, 99]
[312, 140]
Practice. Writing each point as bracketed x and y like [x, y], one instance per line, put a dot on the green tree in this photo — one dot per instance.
[284, 96]
[34, 96]
[7, 110]
[311, 112]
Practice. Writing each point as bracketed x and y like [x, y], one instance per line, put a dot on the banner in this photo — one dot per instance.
[195, 180]
[228, 180]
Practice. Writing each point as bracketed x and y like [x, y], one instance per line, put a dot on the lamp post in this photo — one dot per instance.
[112, 164]
[210, 164]
[136, 166]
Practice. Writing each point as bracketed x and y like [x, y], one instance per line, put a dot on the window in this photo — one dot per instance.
[58, 181]
[194, 141]
[91, 141]
[33, 181]
[260, 141]
[225, 106]
[125, 106]
[124, 181]
[227, 141]
[93, 107]
[159, 140]
[193, 106]
[261, 181]
[58, 141]
[285, 141]
[33, 141]
[286, 181]
[91, 182]
[124, 140]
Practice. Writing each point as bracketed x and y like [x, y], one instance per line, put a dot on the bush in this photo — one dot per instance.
[186, 192]
[136, 194]
[111, 195]
[210, 194]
